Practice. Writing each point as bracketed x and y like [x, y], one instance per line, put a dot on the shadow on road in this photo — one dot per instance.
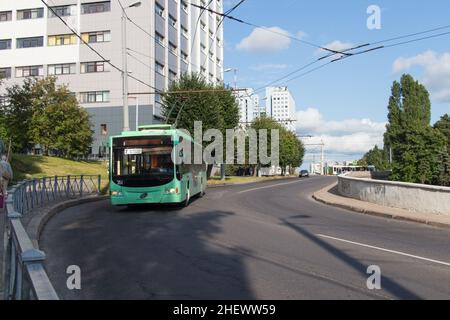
[148, 253]
[388, 284]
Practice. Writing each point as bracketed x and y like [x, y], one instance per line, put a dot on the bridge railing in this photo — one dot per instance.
[24, 276]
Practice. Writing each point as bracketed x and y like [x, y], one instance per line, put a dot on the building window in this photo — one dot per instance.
[184, 56]
[5, 44]
[203, 47]
[61, 69]
[159, 67]
[104, 129]
[203, 25]
[29, 71]
[94, 66]
[5, 73]
[30, 14]
[172, 75]
[159, 38]
[172, 48]
[96, 37]
[62, 11]
[184, 31]
[96, 7]
[62, 40]
[172, 21]
[94, 96]
[202, 70]
[184, 6]
[159, 10]
[30, 42]
[5, 16]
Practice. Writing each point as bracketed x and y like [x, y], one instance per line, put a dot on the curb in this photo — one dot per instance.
[37, 224]
[316, 196]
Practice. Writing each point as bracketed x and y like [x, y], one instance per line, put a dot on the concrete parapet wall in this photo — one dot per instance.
[409, 196]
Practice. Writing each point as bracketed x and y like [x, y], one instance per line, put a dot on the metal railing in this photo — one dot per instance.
[24, 276]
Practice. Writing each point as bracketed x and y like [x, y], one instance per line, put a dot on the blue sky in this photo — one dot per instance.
[345, 103]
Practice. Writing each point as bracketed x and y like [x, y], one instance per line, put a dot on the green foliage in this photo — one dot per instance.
[216, 110]
[376, 157]
[17, 115]
[291, 148]
[443, 126]
[40, 112]
[420, 152]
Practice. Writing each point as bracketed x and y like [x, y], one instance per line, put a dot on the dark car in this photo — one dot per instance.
[304, 174]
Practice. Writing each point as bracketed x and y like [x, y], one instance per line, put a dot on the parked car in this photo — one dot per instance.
[304, 174]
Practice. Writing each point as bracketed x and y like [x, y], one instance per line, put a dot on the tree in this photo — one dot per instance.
[418, 150]
[291, 150]
[216, 110]
[58, 122]
[17, 115]
[376, 157]
[215, 106]
[443, 126]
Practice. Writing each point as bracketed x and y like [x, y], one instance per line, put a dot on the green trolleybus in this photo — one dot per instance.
[142, 168]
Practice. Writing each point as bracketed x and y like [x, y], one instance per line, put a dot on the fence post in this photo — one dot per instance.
[99, 184]
[33, 194]
[81, 185]
[68, 187]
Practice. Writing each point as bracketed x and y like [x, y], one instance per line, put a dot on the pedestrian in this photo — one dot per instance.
[6, 175]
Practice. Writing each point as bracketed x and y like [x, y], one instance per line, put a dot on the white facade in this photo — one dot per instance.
[159, 50]
[248, 106]
[280, 105]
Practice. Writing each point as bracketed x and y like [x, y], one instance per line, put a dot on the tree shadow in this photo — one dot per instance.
[388, 284]
[160, 253]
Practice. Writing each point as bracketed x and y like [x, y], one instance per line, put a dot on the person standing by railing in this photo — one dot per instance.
[6, 175]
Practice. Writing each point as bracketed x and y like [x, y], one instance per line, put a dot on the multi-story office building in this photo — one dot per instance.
[280, 105]
[165, 38]
[248, 106]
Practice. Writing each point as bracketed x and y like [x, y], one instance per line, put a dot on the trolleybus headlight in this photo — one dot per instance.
[172, 190]
[116, 193]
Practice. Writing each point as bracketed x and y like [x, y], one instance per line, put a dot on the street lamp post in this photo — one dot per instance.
[235, 70]
[222, 166]
[126, 117]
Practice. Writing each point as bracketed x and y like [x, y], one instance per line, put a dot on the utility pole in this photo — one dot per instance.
[126, 115]
[126, 120]
[322, 159]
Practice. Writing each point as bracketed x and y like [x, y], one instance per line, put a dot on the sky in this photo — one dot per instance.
[344, 103]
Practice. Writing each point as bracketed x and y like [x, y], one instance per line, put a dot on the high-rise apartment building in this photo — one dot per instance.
[280, 105]
[165, 38]
[248, 106]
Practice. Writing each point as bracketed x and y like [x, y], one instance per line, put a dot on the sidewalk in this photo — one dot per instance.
[330, 196]
[2, 217]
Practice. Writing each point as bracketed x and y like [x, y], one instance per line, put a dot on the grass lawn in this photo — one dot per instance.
[28, 167]
[240, 180]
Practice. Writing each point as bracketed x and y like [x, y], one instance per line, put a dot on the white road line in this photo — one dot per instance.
[271, 186]
[386, 250]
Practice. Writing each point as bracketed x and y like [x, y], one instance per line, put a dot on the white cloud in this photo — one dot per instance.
[350, 136]
[337, 46]
[262, 40]
[436, 75]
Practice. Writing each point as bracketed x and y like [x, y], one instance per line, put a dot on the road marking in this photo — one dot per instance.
[271, 186]
[386, 250]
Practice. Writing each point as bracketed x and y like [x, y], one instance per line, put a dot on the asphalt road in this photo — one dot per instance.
[261, 241]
